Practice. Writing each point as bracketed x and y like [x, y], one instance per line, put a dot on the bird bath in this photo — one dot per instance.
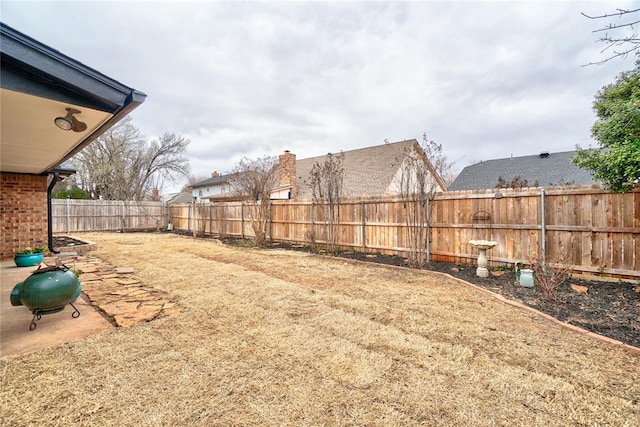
[482, 246]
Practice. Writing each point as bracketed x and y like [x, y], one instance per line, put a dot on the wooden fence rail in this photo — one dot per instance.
[587, 227]
[584, 226]
[70, 215]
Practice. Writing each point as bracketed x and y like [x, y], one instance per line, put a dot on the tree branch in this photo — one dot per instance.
[620, 13]
[630, 42]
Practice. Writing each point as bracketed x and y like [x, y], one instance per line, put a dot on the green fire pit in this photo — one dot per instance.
[46, 291]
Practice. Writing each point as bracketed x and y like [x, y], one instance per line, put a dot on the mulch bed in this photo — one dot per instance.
[66, 242]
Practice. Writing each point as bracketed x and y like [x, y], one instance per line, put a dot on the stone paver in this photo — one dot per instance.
[111, 296]
[119, 294]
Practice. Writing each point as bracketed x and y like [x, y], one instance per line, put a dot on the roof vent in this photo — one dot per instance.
[544, 154]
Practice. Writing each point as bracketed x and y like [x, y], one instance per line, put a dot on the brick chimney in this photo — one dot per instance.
[214, 174]
[288, 171]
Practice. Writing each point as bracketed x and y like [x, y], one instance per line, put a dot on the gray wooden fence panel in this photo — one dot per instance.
[69, 215]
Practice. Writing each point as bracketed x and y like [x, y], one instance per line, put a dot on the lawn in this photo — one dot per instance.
[272, 337]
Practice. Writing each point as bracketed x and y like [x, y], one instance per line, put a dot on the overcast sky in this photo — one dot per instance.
[484, 79]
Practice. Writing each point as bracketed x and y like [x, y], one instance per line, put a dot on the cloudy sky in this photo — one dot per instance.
[484, 79]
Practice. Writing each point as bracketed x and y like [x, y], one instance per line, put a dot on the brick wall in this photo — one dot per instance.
[288, 171]
[23, 212]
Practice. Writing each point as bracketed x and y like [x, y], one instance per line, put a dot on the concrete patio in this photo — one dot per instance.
[111, 296]
[52, 329]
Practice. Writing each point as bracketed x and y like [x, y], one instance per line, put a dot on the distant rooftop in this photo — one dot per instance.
[544, 169]
[213, 180]
[367, 171]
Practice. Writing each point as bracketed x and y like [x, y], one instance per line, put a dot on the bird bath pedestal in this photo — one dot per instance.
[482, 246]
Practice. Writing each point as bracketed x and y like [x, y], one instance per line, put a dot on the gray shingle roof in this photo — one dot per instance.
[556, 169]
[214, 180]
[183, 197]
[367, 171]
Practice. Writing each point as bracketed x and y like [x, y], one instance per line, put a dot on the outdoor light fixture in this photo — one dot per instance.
[69, 122]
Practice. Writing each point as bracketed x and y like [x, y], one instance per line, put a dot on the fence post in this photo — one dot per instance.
[219, 224]
[313, 224]
[428, 245]
[543, 228]
[271, 221]
[242, 219]
[364, 224]
[195, 220]
[68, 216]
[123, 217]
[189, 217]
[165, 215]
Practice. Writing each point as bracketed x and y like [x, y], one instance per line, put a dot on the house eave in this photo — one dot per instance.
[37, 59]
[32, 71]
[131, 103]
[229, 198]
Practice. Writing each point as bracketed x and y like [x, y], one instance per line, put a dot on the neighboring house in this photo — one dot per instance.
[217, 188]
[544, 169]
[368, 172]
[51, 106]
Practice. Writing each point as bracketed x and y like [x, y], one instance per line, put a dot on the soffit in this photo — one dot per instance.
[30, 142]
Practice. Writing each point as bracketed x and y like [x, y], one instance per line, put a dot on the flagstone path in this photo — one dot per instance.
[119, 294]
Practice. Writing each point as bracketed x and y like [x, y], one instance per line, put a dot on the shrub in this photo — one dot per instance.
[548, 279]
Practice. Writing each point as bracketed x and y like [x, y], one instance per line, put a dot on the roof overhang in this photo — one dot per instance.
[215, 180]
[226, 198]
[38, 84]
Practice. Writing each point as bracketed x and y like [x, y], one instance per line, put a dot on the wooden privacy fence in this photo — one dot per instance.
[370, 225]
[587, 227]
[594, 230]
[70, 215]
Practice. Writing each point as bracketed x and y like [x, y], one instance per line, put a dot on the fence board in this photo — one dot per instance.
[70, 215]
[595, 230]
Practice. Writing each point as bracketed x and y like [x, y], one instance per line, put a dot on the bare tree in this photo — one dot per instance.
[254, 182]
[516, 182]
[419, 182]
[441, 164]
[620, 37]
[122, 165]
[325, 182]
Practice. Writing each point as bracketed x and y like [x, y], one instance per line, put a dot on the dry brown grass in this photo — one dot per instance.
[287, 338]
